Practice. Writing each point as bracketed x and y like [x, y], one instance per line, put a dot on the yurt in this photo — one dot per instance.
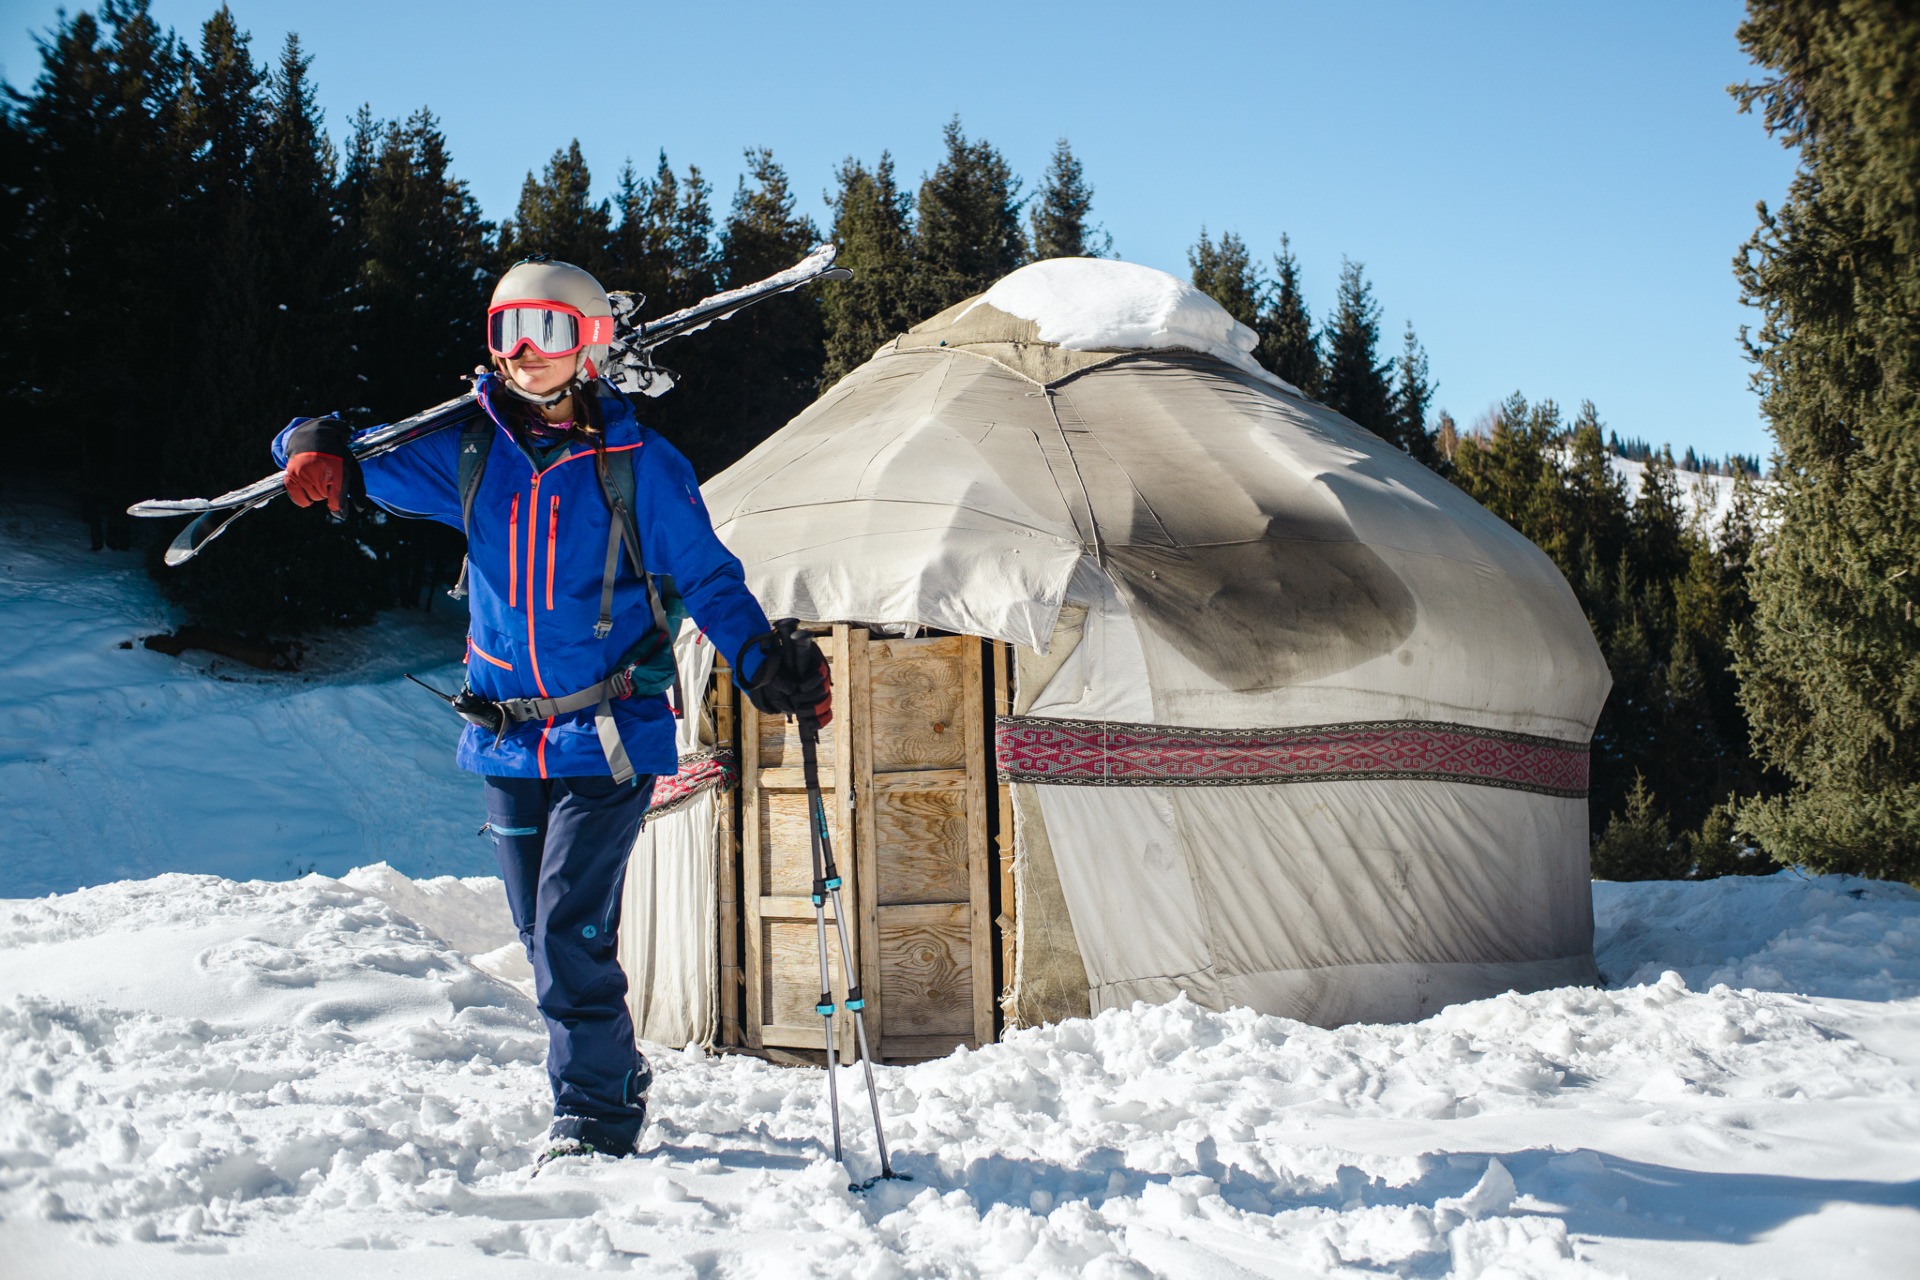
[1152, 676]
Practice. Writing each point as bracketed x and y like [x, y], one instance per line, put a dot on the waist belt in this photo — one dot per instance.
[599, 696]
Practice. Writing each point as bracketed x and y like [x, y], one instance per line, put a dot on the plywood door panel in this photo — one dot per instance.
[924, 835]
[926, 970]
[918, 703]
[790, 982]
[786, 841]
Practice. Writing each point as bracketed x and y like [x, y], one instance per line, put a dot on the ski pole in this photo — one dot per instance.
[826, 885]
[824, 1006]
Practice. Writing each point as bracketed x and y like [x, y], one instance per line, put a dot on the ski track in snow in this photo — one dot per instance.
[343, 1076]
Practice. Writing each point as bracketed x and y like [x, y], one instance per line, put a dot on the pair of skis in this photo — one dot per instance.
[631, 368]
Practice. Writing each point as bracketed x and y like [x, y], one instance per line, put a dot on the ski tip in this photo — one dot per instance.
[169, 507]
[836, 273]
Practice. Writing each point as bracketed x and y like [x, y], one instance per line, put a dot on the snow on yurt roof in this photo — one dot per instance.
[1279, 564]
[1096, 304]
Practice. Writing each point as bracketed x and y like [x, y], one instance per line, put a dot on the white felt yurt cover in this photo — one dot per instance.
[1318, 745]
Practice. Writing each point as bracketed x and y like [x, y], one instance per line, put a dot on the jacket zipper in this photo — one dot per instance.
[533, 653]
[553, 533]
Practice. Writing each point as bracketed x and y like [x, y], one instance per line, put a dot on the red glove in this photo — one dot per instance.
[312, 476]
[319, 462]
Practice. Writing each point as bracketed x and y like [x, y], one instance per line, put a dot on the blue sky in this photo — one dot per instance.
[1552, 193]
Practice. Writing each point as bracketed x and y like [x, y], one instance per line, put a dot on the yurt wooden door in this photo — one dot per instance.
[903, 768]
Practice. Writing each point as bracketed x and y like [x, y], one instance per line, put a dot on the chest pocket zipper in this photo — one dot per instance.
[513, 554]
[553, 534]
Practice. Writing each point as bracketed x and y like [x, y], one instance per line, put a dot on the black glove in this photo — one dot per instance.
[792, 678]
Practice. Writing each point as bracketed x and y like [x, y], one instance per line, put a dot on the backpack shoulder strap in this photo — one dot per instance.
[476, 442]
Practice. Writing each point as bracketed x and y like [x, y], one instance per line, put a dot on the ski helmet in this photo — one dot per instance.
[540, 279]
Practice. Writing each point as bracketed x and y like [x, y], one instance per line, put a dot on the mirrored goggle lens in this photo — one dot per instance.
[551, 333]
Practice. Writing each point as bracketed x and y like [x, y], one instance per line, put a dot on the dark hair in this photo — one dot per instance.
[589, 420]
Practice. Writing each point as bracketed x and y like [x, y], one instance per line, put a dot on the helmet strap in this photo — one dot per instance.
[577, 382]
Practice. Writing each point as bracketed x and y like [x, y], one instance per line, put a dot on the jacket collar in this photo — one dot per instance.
[616, 411]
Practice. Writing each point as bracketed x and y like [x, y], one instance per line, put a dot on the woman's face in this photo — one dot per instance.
[539, 375]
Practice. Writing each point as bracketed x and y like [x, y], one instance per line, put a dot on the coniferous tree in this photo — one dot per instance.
[1412, 395]
[721, 414]
[420, 299]
[663, 247]
[557, 216]
[100, 242]
[224, 124]
[968, 231]
[662, 243]
[354, 193]
[1638, 843]
[1287, 343]
[1224, 272]
[1830, 665]
[1059, 217]
[1356, 379]
[873, 229]
[308, 267]
[425, 273]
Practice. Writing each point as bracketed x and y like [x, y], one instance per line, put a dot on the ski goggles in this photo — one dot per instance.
[551, 328]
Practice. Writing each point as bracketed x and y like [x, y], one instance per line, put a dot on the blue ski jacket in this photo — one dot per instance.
[536, 554]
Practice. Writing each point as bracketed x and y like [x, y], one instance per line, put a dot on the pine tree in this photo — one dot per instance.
[425, 273]
[224, 123]
[1356, 380]
[1638, 843]
[662, 243]
[1224, 272]
[873, 230]
[99, 243]
[968, 230]
[1598, 507]
[426, 269]
[1287, 343]
[557, 216]
[1830, 666]
[717, 414]
[1059, 217]
[308, 266]
[1412, 395]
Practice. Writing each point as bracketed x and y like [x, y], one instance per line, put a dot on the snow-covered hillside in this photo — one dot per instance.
[1707, 496]
[119, 761]
[338, 1077]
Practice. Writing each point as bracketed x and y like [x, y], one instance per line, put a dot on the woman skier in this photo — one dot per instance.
[568, 647]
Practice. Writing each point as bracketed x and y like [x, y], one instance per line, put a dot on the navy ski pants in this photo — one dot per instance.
[563, 845]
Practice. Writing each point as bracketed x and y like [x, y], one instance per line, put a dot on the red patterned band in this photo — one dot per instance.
[1098, 753]
[697, 772]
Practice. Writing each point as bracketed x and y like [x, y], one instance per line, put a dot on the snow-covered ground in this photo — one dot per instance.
[340, 1074]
